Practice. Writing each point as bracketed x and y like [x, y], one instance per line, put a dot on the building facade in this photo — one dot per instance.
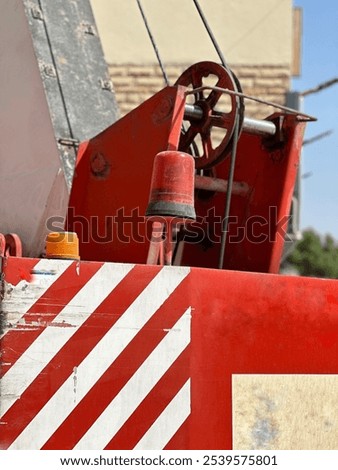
[259, 40]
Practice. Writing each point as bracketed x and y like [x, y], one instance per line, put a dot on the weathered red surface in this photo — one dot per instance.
[111, 188]
[241, 323]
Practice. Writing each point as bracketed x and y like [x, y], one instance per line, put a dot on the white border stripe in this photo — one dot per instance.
[55, 336]
[100, 358]
[141, 383]
[24, 295]
[168, 423]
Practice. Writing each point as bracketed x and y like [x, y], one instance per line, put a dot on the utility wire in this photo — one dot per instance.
[317, 137]
[320, 87]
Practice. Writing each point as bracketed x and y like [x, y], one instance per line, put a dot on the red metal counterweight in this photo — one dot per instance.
[172, 186]
[171, 202]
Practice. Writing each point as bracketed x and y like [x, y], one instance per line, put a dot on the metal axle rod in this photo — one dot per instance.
[252, 126]
[217, 184]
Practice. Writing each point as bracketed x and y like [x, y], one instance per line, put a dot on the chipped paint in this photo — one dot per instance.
[263, 433]
[75, 382]
[44, 272]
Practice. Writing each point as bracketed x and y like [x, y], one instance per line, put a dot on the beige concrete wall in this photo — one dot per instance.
[249, 32]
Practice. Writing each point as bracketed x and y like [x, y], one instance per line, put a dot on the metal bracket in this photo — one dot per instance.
[106, 84]
[37, 13]
[48, 70]
[69, 142]
[10, 245]
[276, 141]
[89, 29]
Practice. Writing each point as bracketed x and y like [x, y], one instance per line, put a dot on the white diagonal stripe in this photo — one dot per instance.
[137, 388]
[168, 423]
[59, 331]
[20, 298]
[100, 358]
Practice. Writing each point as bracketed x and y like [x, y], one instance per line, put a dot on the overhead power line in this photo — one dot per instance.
[320, 87]
[317, 137]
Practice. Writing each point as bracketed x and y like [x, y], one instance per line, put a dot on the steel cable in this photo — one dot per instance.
[237, 118]
[151, 37]
[225, 221]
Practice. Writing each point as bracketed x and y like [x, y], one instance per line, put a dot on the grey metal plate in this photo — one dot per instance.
[74, 72]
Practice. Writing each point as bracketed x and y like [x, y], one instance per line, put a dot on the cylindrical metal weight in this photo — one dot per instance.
[172, 186]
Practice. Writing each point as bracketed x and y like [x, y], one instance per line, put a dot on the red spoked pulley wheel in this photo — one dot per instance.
[211, 145]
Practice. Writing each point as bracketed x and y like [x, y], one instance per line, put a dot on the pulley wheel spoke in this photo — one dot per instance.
[187, 138]
[197, 76]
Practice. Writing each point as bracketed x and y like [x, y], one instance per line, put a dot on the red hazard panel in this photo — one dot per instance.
[122, 356]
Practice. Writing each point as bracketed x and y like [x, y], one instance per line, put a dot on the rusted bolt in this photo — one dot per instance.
[99, 165]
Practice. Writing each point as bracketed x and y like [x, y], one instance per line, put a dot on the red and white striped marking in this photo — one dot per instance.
[117, 356]
[21, 298]
[96, 356]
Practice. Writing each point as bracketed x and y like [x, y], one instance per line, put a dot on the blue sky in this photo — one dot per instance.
[319, 204]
